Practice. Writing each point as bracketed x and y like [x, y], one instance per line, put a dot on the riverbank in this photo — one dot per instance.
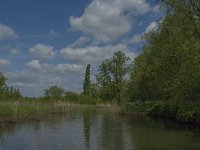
[11, 112]
[184, 112]
[180, 111]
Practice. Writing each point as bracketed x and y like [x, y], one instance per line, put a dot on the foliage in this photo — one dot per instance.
[85, 99]
[71, 96]
[169, 64]
[6, 92]
[54, 92]
[86, 83]
[111, 77]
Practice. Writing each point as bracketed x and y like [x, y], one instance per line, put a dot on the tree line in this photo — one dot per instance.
[168, 66]
[8, 92]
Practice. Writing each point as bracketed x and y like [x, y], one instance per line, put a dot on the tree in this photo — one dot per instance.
[169, 64]
[2, 80]
[86, 83]
[54, 92]
[111, 76]
[8, 92]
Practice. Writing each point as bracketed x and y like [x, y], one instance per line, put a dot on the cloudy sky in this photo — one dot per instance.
[50, 42]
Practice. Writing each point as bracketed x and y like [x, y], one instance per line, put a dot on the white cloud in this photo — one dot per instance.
[4, 63]
[51, 68]
[7, 32]
[106, 20]
[14, 51]
[43, 51]
[33, 83]
[152, 26]
[34, 64]
[134, 39]
[94, 54]
[156, 9]
[81, 42]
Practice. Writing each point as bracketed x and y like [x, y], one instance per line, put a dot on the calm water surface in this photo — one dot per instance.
[93, 130]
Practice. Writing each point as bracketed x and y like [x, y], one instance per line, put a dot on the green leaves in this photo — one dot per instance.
[168, 67]
[54, 92]
[111, 77]
[86, 83]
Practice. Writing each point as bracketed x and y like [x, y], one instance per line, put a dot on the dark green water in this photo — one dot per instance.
[93, 130]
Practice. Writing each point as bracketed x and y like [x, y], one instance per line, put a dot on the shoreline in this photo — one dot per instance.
[13, 112]
[184, 113]
[177, 111]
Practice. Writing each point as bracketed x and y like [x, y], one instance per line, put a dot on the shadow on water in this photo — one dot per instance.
[89, 129]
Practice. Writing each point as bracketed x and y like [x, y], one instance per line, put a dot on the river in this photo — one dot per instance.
[95, 130]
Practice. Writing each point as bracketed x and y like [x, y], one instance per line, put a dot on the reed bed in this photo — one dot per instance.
[37, 110]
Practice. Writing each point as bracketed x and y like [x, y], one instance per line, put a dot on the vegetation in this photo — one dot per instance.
[111, 77]
[164, 80]
[6, 92]
[54, 92]
[86, 83]
[168, 66]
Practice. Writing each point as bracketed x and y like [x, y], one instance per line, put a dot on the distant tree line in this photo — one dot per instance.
[8, 92]
[168, 66]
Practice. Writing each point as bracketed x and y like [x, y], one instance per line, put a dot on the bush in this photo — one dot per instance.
[72, 97]
[84, 99]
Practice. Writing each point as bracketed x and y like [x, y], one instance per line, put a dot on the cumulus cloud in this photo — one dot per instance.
[33, 83]
[43, 51]
[94, 54]
[4, 63]
[106, 20]
[7, 32]
[36, 65]
[81, 42]
[134, 39]
[152, 26]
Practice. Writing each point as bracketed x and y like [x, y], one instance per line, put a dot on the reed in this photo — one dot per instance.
[37, 110]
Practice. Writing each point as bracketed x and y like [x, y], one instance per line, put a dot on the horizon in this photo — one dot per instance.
[49, 43]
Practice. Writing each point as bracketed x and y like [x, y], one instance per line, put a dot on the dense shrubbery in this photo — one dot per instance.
[169, 64]
[177, 110]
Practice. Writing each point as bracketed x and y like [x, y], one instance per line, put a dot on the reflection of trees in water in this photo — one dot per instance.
[104, 131]
[149, 134]
[113, 133]
[86, 128]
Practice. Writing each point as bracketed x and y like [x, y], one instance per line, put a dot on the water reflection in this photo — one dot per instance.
[90, 129]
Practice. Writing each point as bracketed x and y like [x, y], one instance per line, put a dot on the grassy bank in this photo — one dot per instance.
[39, 109]
[181, 111]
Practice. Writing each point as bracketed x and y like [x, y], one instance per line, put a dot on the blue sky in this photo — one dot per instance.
[49, 42]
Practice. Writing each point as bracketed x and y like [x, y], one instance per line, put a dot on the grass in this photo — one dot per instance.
[13, 111]
[182, 111]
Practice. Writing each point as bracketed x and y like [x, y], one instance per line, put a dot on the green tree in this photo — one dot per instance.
[2, 80]
[54, 92]
[8, 92]
[111, 76]
[86, 83]
[169, 64]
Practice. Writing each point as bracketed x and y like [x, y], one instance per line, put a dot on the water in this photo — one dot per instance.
[94, 130]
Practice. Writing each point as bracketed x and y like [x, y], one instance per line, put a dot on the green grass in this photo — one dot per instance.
[12, 111]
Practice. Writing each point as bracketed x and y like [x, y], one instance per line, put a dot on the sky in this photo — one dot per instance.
[50, 42]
